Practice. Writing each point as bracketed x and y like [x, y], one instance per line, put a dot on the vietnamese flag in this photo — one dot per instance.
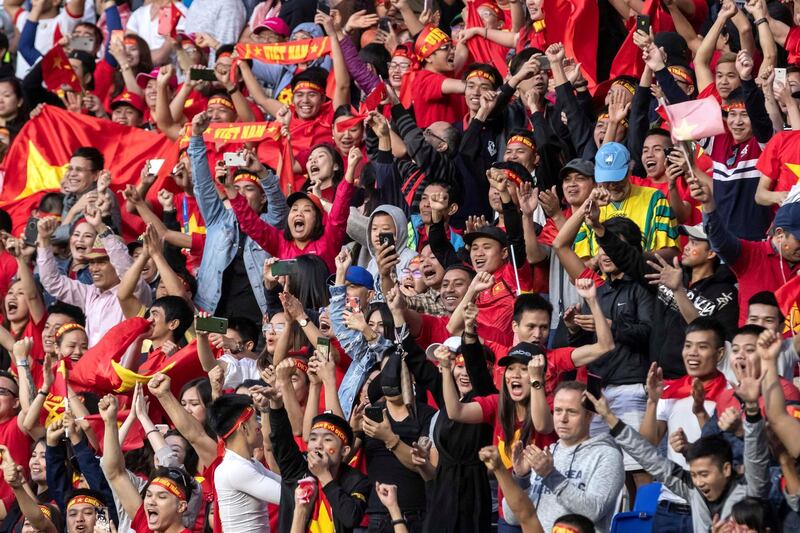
[788, 297]
[483, 50]
[695, 119]
[57, 71]
[37, 160]
[580, 33]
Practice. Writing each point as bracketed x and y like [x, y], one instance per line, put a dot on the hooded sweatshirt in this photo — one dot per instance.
[404, 253]
[586, 479]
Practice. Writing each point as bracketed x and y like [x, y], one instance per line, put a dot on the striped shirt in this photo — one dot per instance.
[648, 208]
[735, 182]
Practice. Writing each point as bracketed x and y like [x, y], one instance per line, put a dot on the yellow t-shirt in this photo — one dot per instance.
[648, 208]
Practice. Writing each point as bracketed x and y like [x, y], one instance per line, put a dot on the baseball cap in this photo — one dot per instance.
[581, 166]
[695, 232]
[521, 353]
[490, 232]
[453, 344]
[359, 276]
[611, 163]
[273, 24]
[313, 198]
[129, 99]
[143, 77]
[98, 250]
[788, 219]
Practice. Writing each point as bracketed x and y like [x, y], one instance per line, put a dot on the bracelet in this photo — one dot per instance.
[234, 90]
[485, 33]
[580, 85]
[23, 363]
[393, 446]
[148, 433]
[760, 21]
[43, 393]
[399, 521]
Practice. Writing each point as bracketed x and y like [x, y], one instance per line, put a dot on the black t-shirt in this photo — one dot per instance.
[237, 298]
[384, 467]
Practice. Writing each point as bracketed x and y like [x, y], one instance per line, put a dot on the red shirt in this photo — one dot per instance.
[727, 399]
[780, 160]
[139, 522]
[434, 329]
[792, 45]
[309, 132]
[759, 268]
[34, 330]
[430, 103]
[559, 362]
[496, 305]
[19, 445]
[8, 269]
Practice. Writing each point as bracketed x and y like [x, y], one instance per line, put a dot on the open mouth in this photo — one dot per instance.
[480, 262]
[152, 516]
[11, 306]
[650, 164]
[313, 169]
[80, 527]
[515, 387]
[299, 225]
[464, 382]
[81, 248]
[428, 273]
[692, 364]
[305, 109]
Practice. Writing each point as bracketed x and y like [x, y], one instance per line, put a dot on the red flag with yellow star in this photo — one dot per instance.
[788, 297]
[695, 119]
[57, 71]
[37, 161]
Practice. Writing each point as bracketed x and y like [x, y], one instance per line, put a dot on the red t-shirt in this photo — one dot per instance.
[309, 132]
[792, 45]
[759, 268]
[34, 330]
[139, 522]
[496, 305]
[430, 104]
[780, 160]
[727, 398]
[8, 269]
[434, 329]
[19, 445]
[559, 362]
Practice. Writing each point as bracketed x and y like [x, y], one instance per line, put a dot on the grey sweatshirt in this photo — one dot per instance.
[586, 479]
[755, 481]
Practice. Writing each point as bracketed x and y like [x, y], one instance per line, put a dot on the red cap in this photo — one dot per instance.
[491, 5]
[273, 24]
[130, 99]
[143, 77]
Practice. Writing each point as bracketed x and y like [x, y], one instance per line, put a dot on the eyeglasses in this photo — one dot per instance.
[399, 66]
[273, 328]
[428, 133]
[416, 273]
[7, 392]
[445, 48]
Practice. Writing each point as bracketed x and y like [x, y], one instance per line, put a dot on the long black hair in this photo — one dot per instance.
[507, 412]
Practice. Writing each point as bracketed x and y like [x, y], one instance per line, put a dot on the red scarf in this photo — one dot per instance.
[675, 389]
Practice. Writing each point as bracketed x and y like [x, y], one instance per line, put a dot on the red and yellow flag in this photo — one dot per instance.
[293, 52]
[241, 132]
[57, 71]
[37, 161]
[695, 119]
[788, 297]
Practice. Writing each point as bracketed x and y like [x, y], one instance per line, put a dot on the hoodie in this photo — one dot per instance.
[405, 253]
[586, 479]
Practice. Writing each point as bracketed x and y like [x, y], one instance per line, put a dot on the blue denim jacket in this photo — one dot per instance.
[363, 354]
[222, 232]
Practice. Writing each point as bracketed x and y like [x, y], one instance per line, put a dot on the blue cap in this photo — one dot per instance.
[788, 219]
[359, 276]
[611, 163]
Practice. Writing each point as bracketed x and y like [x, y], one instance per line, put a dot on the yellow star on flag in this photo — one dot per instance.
[683, 131]
[40, 174]
[795, 168]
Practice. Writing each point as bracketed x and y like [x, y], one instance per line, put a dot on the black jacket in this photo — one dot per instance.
[347, 494]
[630, 308]
[715, 296]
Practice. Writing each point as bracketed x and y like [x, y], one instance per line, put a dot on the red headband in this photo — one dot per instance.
[84, 499]
[522, 140]
[220, 100]
[244, 417]
[430, 39]
[733, 105]
[65, 328]
[170, 486]
[247, 177]
[478, 73]
[336, 430]
[682, 74]
[307, 86]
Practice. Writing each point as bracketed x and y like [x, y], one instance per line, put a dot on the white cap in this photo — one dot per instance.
[453, 344]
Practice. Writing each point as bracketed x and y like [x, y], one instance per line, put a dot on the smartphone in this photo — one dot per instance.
[374, 413]
[234, 159]
[353, 304]
[384, 24]
[780, 76]
[324, 348]
[284, 268]
[165, 21]
[324, 6]
[31, 231]
[544, 63]
[643, 23]
[154, 166]
[85, 44]
[594, 386]
[203, 74]
[212, 324]
[386, 239]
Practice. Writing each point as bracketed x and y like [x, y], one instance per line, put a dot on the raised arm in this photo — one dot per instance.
[467, 413]
[14, 475]
[166, 123]
[131, 306]
[562, 244]
[785, 426]
[36, 309]
[67, 290]
[589, 353]
[702, 59]
[341, 75]
[113, 461]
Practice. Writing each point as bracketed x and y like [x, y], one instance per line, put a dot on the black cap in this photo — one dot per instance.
[86, 59]
[490, 232]
[581, 166]
[521, 353]
[338, 422]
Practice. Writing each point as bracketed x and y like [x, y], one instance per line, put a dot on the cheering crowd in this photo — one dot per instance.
[467, 266]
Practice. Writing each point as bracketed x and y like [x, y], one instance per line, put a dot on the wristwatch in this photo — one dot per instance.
[536, 384]
[106, 233]
[303, 322]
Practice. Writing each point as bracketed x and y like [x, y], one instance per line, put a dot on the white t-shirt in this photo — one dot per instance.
[244, 487]
[238, 370]
[678, 414]
[46, 35]
[143, 24]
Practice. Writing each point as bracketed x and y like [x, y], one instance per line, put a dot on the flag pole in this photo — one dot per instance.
[516, 272]
[66, 397]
